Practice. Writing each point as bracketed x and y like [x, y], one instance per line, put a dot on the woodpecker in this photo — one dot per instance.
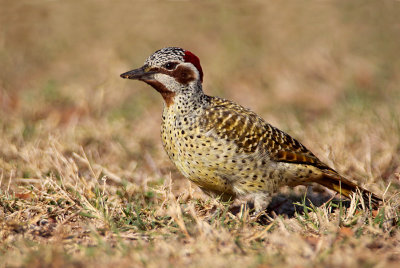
[225, 149]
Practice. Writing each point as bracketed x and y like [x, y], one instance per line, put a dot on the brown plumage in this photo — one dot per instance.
[227, 150]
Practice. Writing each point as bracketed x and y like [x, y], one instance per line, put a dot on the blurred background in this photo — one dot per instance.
[327, 72]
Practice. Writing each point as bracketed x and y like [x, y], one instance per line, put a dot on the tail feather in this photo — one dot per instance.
[347, 188]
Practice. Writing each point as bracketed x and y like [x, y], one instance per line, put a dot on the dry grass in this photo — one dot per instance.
[84, 180]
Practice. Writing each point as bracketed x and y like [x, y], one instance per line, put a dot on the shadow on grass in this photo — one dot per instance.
[288, 204]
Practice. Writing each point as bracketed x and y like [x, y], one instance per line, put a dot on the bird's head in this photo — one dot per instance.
[171, 71]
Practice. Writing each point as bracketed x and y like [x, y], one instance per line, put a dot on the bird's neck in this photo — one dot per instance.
[188, 100]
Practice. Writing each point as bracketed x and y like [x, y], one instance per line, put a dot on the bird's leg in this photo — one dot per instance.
[261, 202]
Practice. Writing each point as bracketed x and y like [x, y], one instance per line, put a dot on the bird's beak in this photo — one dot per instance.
[142, 73]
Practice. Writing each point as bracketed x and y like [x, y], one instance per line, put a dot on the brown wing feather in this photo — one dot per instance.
[249, 131]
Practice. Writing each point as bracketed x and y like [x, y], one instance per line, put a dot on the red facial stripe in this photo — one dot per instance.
[193, 59]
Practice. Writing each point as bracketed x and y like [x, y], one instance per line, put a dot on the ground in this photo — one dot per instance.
[84, 180]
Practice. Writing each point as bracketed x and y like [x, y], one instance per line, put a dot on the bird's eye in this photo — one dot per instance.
[170, 65]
